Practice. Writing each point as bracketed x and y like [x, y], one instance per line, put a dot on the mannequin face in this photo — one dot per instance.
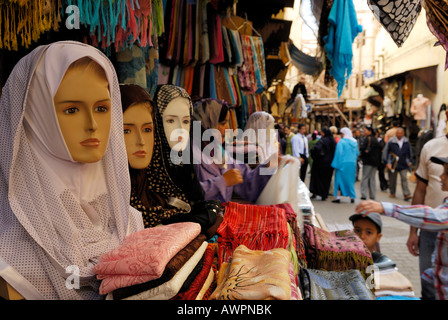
[223, 126]
[138, 135]
[176, 123]
[83, 109]
[270, 130]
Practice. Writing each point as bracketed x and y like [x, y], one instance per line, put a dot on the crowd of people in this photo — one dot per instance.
[386, 154]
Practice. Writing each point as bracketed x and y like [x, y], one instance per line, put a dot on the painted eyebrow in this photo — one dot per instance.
[78, 101]
[133, 124]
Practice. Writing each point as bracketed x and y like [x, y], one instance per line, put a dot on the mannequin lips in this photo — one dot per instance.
[140, 154]
[92, 142]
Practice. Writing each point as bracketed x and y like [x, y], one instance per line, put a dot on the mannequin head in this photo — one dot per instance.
[138, 126]
[176, 123]
[82, 103]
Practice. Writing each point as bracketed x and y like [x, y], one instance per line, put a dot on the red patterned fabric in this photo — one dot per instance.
[255, 226]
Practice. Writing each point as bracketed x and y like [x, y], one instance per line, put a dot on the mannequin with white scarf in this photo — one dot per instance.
[66, 197]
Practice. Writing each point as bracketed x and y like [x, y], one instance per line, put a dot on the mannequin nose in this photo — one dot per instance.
[140, 139]
[92, 125]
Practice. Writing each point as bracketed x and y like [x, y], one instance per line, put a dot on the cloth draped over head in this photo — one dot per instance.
[343, 29]
[262, 121]
[398, 17]
[347, 133]
[437, 21]
[57, 214]
[151, 187]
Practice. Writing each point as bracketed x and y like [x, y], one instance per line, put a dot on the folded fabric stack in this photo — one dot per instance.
[335, 251]
[391, 283]
[334, 285]
[157, 263]
[256, 275]
[254, 226]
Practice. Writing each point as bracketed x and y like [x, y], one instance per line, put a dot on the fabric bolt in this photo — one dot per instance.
[254, 226]
[207, 287]
[203, 276]
[172, 267]
[342, 32]
[255, 275]
[392, 281]
[170, 288]
[72, 214]
[398, 17]
[335, 285]
[143, 255]
[335, 251]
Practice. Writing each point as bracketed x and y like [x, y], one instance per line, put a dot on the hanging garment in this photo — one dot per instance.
[305, 63]
[398, 17]
[437, 21]
[343, 30]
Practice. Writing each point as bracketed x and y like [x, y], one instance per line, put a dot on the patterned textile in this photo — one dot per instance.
[255, 275]
[398, 17]
[173, 266]
[437, 21]
[335, 251]
[143, 255]
[255, 226]
[197, 284]
[170, 288]
[335, 285]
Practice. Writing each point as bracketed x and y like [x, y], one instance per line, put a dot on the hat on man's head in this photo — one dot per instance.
[375, 217]
[439, 160]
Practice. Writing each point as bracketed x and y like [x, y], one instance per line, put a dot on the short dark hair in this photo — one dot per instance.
[300, 125]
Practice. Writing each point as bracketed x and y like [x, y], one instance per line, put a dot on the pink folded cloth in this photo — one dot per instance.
[143, 255]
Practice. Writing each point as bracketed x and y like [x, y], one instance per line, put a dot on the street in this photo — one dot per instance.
[395, 233]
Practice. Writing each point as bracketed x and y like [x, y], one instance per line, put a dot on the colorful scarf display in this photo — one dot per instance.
[398, 17]
[335, 285]
[255, 275]
[335, 251]
[254, 226]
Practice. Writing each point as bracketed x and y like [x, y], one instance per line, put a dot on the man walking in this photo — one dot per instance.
[299, 144]
[397, 155]
[370, 153]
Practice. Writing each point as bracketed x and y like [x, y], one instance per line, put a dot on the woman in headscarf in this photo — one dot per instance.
[65, 190]
[344, 162]
[260, 130]
[219, 174]
[322, 171]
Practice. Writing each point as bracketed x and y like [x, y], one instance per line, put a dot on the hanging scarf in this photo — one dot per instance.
[338, 43]
[437, 21]
[29, 19]
[398, 17]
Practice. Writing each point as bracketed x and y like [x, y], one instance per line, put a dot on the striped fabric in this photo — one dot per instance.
[255, 226]
[431, 219]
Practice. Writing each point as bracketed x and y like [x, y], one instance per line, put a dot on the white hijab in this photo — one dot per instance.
[267, 145]
[57, 213]
[348, 134]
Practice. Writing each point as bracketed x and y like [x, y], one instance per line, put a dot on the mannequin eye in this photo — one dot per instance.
[169, 121]
[71, 110]
[147, 129]
[101, 109]
[126, 131]
[186, 121]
